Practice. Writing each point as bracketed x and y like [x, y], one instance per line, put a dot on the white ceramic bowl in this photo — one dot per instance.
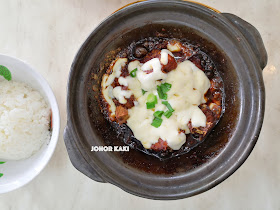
[18, 173]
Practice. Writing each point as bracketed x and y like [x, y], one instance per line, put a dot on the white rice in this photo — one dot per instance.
[24, 120]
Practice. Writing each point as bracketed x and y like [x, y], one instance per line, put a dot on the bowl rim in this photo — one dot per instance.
[51, 99]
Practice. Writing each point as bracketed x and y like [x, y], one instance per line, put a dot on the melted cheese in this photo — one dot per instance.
[194, 83]
[188, 87]
[174, 47]
[121, 62]
[108, 95]
[164, 56]
[133, 65]
[123, 81]
[189, 84]
[140, 123]
[148, 81]
[120, 94]
[107, 89]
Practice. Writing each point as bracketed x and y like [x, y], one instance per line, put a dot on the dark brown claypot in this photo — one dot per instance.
[236, 48]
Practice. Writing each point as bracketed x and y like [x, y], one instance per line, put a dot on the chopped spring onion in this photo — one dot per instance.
[151, 101]
[2, 162]
[161, 94]
[133, 72]
[1, 175]
[169, 107]
[150, 105]
[158, 114]
[165, 87]
[167, 114]
[152, 98]
[143, 92]
[156, 122]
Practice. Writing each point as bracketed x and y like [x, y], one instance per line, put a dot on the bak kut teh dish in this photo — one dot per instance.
[165, 94]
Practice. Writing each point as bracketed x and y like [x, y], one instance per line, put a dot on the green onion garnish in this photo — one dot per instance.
[165, 87]
[143, 92]
[168, 106]
[156, 122]
[161, 94]
[167, 114]
[133, 72]
[2, 162]
[158, 114]
[150, 105]
[151, 101]
[152, 98]
[1, 175]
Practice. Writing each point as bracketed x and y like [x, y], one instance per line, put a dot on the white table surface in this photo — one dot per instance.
[47, 34]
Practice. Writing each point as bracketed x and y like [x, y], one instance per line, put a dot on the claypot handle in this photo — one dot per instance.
[252, 35]
[77, 159]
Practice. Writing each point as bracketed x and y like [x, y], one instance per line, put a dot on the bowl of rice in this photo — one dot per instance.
[29, 123]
